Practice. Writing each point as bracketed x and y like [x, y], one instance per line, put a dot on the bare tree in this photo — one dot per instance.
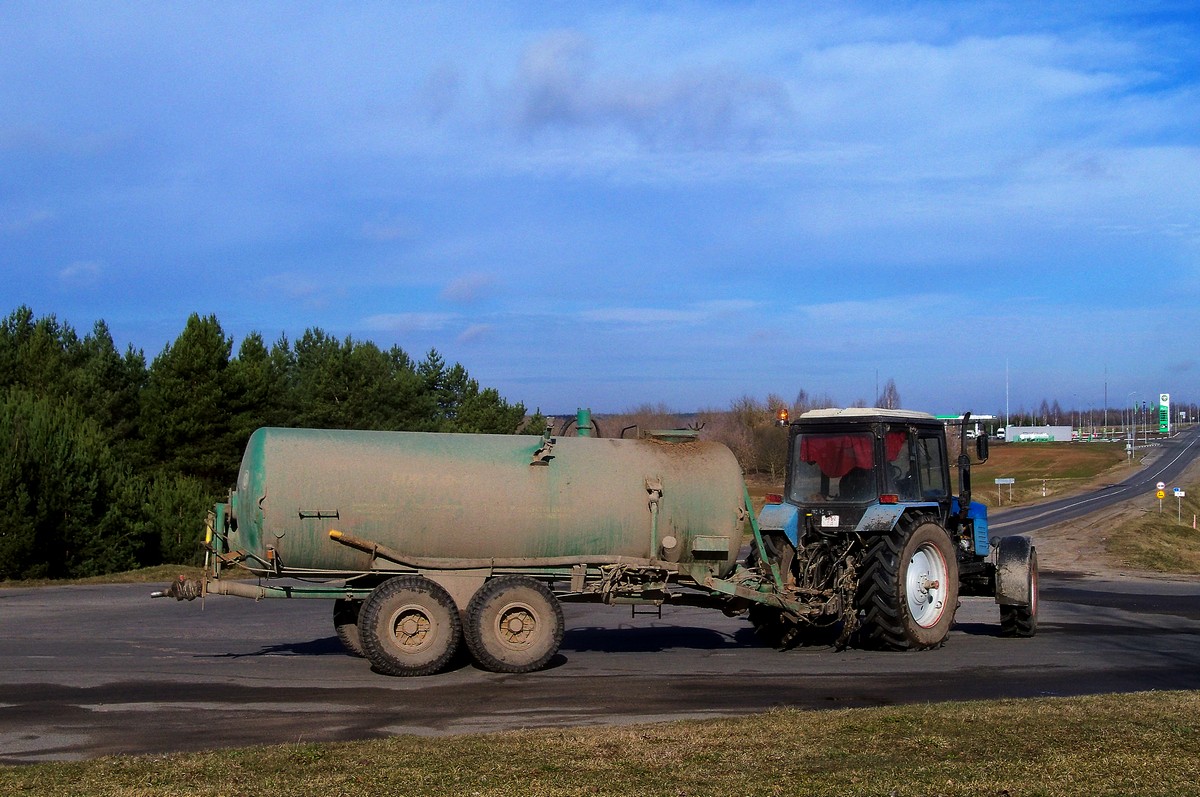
[643, 418]
[890, 397]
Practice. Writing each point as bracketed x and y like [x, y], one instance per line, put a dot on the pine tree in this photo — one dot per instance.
[186, 418]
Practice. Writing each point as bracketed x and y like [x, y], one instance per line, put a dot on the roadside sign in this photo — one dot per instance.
[1161, 494]
[1179, 493]
[1161, 485]
[1006, 481]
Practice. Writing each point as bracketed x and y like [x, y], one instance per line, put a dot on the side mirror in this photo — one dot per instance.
[981, 448]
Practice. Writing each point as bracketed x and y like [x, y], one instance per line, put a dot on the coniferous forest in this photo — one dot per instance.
[110, 462]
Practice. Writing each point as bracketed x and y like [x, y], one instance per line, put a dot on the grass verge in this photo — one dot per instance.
[1140, 744]
[147, 575]
[1045, 470]
[1160, 541]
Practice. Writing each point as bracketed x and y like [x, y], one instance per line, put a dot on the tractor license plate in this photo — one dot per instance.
[829, 520]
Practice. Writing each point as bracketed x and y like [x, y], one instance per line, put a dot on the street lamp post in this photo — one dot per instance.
[1133, 423]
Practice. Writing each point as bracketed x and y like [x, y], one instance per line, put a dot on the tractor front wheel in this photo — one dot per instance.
[1021, 621]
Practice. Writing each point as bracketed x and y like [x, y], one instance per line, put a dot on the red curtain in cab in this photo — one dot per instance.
[837, 455]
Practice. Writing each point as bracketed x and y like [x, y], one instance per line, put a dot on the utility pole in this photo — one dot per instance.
[1106, 400]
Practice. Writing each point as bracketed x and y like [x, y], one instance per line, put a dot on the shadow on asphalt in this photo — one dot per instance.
[326, 646]
[654, 639]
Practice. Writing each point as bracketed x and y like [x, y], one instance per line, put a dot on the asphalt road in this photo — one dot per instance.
[95, 670]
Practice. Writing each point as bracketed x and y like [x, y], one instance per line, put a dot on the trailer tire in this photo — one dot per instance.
[1021, 621]
[514, 624]
[409, 626]
[908, 590]
[345, 623]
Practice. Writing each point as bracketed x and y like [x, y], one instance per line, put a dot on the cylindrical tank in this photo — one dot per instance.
[449, 496]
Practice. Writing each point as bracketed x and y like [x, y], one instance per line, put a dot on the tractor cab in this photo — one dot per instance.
[844, 462]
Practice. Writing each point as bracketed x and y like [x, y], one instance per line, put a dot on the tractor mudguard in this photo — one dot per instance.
[882, 518]
[1013, 583]
[781, 517]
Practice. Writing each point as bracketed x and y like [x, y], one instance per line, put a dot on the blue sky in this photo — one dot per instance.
[612, 204]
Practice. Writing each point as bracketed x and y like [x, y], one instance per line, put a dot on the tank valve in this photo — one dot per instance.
[181, 589]
[545, 453]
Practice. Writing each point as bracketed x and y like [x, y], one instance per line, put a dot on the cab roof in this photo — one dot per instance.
[864, 414]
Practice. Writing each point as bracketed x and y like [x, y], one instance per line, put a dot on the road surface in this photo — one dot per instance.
[94, 670]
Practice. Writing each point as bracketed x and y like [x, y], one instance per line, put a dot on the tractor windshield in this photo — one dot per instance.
[841, 466]
[834, 467]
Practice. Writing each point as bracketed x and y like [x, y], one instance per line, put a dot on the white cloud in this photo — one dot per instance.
[475, 333]
[557, 88]
[386, 228]
[293, 286]
[15, 223]
[695, 314]
[470, 288]
[408, 322]
[80, 274]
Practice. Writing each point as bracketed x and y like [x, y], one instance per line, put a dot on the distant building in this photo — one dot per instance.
[1038, 434]
[979, 423]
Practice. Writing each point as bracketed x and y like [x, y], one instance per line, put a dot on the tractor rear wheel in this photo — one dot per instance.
[908, 590]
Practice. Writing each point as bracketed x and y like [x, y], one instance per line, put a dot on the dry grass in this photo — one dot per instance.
[1159, 536]
[147, 575]
[1144, 744]
[1046, 470]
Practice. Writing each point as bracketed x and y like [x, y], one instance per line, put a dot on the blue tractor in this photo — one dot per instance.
[870, 539]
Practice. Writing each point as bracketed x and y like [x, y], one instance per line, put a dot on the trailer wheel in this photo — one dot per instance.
[514, 624]
[409, 626]
[345, 623]
[908, 591]
[1021, 621]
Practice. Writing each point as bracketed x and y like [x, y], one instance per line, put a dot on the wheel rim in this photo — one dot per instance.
[927, 585]
[516, 625]
[413, 628]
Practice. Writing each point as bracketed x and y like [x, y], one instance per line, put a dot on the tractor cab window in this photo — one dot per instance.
[834, 467]
[931, 458]
[901, 473]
